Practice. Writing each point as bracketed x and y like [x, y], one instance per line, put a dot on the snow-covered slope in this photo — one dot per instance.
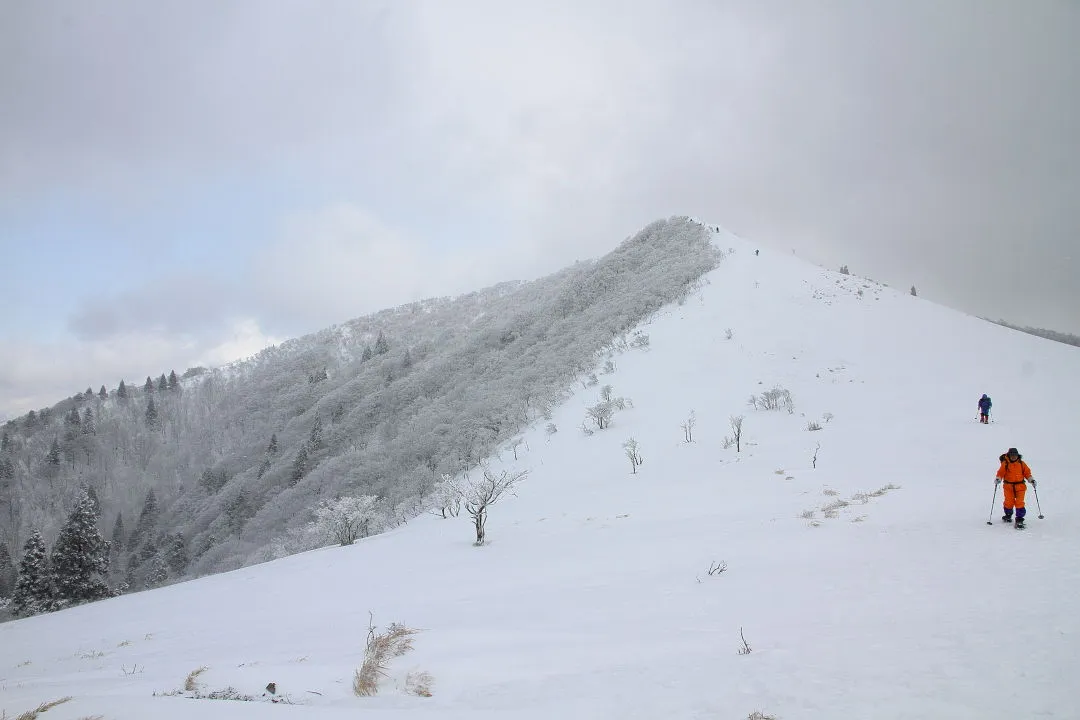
[592, 597]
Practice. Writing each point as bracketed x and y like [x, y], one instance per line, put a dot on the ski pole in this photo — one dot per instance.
[992, 504]
[1036, 489]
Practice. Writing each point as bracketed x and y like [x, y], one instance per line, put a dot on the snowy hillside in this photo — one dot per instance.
[592, 597]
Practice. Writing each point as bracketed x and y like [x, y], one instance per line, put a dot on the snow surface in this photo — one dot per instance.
[591, 598]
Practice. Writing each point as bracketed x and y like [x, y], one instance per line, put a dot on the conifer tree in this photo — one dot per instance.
[103, 393]
[88, 422]
[33, 589]
[147, 520]
[272, 448]
[118, 534]
[299, 468]
[148, 386]
[122, 392]
[176, 554]
[53, 458]
[381, 346]
[152, 418]
[174, 381]
[80, 558]
[162, 383]
[315, 439]
[366, 355]
[95, 504]
[8, 573]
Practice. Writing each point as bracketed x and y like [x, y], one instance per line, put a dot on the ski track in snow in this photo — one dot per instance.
[592, 599]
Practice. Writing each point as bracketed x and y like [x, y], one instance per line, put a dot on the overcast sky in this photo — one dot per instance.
[183, 182]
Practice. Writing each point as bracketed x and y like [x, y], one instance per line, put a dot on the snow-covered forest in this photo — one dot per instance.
[201, 470]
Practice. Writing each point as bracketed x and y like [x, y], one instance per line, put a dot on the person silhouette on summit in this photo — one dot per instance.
[984, 409]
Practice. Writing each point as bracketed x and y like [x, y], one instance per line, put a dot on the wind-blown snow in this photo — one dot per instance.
[591, 599]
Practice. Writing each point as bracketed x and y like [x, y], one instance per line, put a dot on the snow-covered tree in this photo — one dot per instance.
[176, 554]
[80, 558]
[299, 468]
[174, 381]
[148, 518]
[315, 439]
[346, 519]
[381, 346]
[117, 536]
[480, 494]
[33, 590]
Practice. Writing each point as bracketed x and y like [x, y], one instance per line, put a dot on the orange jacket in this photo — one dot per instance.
[1014, 471]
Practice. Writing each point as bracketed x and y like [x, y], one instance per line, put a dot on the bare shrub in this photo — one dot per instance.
[640, 340]
[728, 442]
[884, 489]
[736, 430]
[813, 459]
[776, 399]
[380, 649]
[551, 429]
[688, 427]
[837, 504]
[812, 426]
[633, 452]
[861, 498]
[808, 514]
[758, 715]
[191, 683]
[729, 333]
[716, 568]
[745, 649]
[827, 417]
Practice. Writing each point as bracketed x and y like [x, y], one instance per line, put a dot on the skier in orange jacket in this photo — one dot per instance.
[1014, 472]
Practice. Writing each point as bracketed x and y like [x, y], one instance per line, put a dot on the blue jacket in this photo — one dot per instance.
[984, 404]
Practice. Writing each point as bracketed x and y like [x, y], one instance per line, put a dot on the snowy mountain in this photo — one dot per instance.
[800, 573]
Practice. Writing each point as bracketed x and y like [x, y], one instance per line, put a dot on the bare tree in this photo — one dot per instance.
[445, 498]
[814, 458]
[736, 429]
[634, 453]
[601, 414]
[688, 428]
[479, 495]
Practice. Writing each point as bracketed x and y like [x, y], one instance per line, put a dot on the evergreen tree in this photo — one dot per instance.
[174, 381]
[315, 439]
[8, 573]
[103, 393]
[381, 346]
[176, 554]
[118, 534]
[162, 383]
[406, 362]
[147, 520]
[53, 458]
[366, 355]
[148, 386]
[237, 512]
[152, 419]
[913, 293]
[5, 443]
[272, 448]
[31, 420]
[264, 467]
[95, 504]
[121, 392]
[33, 589]
[299, 468]
[80, 558]
[88, 422]
[159, 573]
[89, 394]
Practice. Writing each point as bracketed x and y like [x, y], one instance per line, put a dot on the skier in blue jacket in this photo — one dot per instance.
[984, 408]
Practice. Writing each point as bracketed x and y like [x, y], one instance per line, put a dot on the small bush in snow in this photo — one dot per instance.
[633, 452]
[191, 683]
[609, 367]
[640, 340]
[43, 707]
[728, 334]
[736, 429]
[716, 568]
[776, 399]
[551, 429]
[758, 715]
[813, 460]
[812, 426]
[419, 683]
[346, 519]
[445, 498]
[745, 649]
[827, 417]
[688, 428]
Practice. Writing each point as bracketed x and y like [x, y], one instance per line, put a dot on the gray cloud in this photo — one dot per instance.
[914, 140]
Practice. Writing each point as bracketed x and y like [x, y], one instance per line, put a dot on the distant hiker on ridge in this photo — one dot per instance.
[984, 408]
[1014, 472]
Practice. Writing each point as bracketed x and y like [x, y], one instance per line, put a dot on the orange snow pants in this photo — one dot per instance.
[1014, 495]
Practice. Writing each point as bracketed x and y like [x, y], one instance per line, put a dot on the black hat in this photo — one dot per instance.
[1013, 451]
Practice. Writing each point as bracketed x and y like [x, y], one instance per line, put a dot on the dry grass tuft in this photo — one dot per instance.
[191, 684]
[758, 715]
[381, 649]
[43, 707]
